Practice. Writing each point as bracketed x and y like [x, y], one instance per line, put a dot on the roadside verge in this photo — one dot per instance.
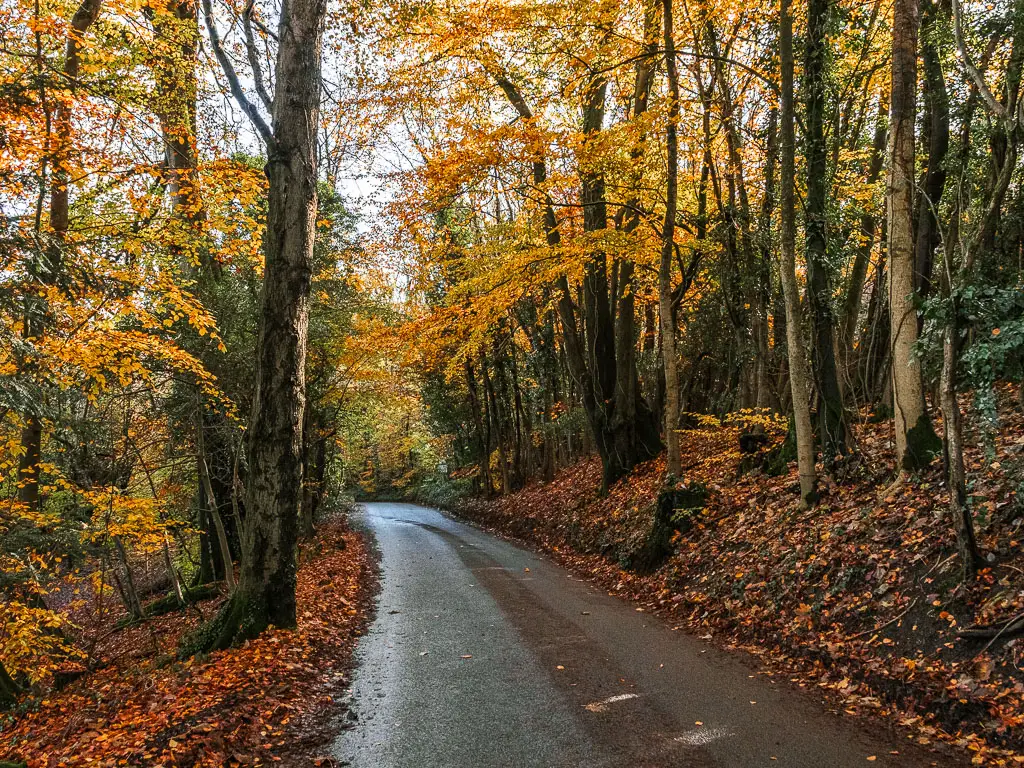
[271, 701]
[857, 598]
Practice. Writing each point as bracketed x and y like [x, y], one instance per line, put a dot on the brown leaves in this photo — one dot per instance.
[247, 706]
[857, 595]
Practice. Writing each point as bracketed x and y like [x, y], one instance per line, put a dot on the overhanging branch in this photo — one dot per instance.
[233, 82]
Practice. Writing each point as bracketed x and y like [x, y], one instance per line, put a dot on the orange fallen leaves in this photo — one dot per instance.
[859, 596]
[252, 705]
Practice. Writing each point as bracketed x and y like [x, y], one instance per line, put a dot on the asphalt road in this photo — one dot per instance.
[486, 655]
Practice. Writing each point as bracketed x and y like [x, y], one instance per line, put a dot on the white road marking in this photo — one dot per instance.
[699, 737]
[601, 706]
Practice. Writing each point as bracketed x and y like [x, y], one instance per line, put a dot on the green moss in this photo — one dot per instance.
[170, 602]
[216, 634]
[775, 462]
[243, 617]
[811, 498]
[673, 512]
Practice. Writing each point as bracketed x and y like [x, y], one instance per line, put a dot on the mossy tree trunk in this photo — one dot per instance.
[9, 689]
[798, 376]
[956, 473]
[831, 412]
[265, 594]
[916, 443]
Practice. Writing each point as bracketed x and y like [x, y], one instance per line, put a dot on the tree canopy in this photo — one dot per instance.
[256, 256]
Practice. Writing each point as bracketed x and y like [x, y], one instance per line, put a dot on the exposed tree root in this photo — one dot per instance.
[1011, 628]
[895, 485]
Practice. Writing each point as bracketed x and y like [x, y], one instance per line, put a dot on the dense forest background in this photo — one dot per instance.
[429, 250]
[813, 215]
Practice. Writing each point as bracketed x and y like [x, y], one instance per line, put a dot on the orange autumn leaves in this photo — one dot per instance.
[243, 707]
[112, 299]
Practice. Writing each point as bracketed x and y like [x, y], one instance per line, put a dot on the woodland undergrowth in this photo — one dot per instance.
[267, 702]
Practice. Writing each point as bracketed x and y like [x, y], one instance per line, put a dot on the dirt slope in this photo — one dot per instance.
[859, 596]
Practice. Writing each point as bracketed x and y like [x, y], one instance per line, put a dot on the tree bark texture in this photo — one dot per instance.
[265, 595]
[673, 465]
[915, 439]
[936, 136]
[798, 375]
[831, 413]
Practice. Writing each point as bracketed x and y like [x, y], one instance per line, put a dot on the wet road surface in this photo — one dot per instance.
[485, 655]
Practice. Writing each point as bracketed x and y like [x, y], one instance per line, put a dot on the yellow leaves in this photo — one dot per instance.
[141, 520]
[17, 513]
[28, 643]
[704, 420]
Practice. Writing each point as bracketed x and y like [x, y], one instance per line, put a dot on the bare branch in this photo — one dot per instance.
[973, 72]
[268, 32]
[254, 59]
[233, 82]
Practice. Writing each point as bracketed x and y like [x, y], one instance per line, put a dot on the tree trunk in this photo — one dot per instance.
[497, 428]
[9, 689]
[956, 474]
[488, 421]
[831, 412]
[509, 426]
[767, 394]
[177, 37]
[524, 424]
[172, 572]
[874, 359]
[798, 378]
[211, 565]
[936, 134]
[916, 442]
[222, 541]
[213, 509]
[310, 439]
[474, 406]
[858, 274]
[673, 464]
[318, 487]
[129, 592]
[265, 594]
